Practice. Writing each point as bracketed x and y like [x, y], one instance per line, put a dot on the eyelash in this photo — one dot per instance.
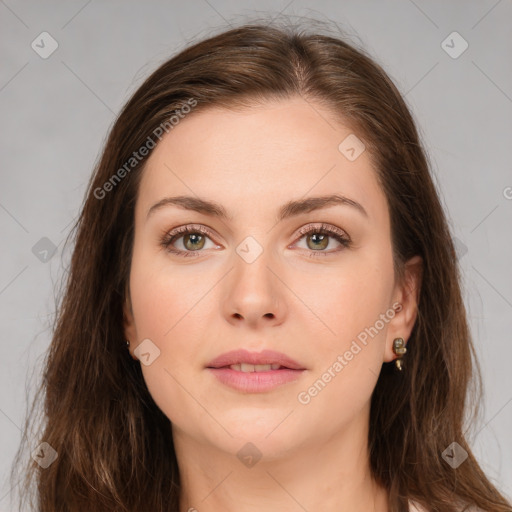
[322, 229]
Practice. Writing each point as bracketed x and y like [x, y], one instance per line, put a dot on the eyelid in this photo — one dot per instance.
[321, 226]
[190, 228]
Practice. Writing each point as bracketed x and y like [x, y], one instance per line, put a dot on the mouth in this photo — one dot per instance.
[244, 361]
[252, 372]
[249, 368]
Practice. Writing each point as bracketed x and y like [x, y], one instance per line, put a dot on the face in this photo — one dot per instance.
[263, 277]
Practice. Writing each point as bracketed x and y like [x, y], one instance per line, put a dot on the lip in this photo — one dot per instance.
[264, 357]
[258, 381]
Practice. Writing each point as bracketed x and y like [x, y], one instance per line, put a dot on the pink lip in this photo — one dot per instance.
[254, 382]
[264, 357]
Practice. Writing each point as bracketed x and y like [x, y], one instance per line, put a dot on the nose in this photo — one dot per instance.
[254, 294]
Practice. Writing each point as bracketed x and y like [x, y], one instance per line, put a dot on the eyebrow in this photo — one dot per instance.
[289, 209]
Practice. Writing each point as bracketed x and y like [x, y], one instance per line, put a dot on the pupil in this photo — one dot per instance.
[319, 240]
[192, 239]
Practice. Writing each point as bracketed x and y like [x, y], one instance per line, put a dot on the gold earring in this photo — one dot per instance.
[399, 349]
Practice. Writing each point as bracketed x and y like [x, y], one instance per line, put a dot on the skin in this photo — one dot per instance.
[314, 456]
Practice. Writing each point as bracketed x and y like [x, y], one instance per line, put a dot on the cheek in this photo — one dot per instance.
[349, 300]
[168, 307]
[349, 358]
[347, 362]
[164, 298]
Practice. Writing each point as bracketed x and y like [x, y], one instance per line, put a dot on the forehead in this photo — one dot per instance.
[268, 153]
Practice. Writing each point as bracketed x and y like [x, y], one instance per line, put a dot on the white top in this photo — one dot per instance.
[416, 507]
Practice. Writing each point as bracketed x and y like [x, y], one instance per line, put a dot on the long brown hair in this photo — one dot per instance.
[114, 445]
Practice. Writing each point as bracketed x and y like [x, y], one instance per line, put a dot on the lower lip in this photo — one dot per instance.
[255, 382]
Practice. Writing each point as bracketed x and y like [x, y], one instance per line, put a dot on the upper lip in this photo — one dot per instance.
[263, 357]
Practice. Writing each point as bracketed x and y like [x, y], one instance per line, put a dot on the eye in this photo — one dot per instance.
[318, 237]
[194, 239]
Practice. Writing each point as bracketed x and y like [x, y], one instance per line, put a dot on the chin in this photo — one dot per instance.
[272, 436]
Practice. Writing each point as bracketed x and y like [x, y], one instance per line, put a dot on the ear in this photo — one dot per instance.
[130, 331]
[406, 297]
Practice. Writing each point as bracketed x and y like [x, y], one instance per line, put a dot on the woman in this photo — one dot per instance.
[263, 309]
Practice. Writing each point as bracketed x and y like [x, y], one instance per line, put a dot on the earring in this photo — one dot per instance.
[399, 349]
[127, 343]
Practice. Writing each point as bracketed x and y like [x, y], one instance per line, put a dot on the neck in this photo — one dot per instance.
[326, 474]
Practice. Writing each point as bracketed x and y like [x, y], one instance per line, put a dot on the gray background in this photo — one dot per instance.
[56, 113]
